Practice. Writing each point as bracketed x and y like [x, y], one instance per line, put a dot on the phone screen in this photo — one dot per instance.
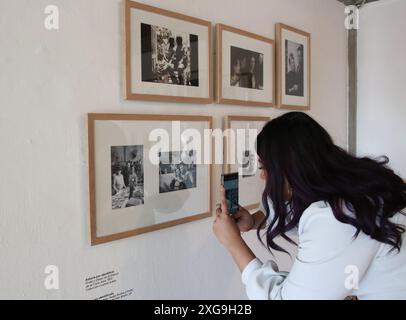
[230, 183]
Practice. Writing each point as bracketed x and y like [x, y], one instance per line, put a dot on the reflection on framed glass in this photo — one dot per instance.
[245, 68]
[240, 156]
[136, 183]
[167, 55]
[293, 49]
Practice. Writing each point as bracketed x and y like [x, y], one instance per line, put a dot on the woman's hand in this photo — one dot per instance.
[245, 221]
[224, 227]
[227, 232]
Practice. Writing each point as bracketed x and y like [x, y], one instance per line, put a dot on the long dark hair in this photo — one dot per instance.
[295, 149]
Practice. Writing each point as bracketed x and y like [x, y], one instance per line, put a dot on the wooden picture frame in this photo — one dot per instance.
[97, 122]
[198, 90]
[227, 167]
[228, 93]
[293, 94]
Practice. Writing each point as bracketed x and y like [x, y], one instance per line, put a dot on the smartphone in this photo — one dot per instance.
[230, 183]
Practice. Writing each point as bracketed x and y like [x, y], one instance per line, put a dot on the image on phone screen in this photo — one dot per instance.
[230, 183]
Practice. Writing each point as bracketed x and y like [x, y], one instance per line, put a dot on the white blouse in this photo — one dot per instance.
[331, 264]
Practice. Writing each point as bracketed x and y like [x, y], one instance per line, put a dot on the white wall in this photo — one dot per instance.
[382, 82]
[50, 80]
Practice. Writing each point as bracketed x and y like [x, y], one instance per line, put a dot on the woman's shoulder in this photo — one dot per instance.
[320, 214]
[322, 236]
[319, 217]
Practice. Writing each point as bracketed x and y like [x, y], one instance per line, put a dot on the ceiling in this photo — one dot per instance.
[358, 3]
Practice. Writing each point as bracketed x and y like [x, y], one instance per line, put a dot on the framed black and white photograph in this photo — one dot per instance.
[245, 68]
[177, 170]
[294, 67]
[167, 55]
[137, 182]
[240, 156]
[127, 176]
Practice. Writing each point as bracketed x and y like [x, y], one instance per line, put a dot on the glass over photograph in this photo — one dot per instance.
[177, 170]
[127, 176]
[247, 69]
[294, 84]
[169, 57]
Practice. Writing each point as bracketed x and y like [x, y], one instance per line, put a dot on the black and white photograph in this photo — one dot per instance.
[127, 176]
[241, 156]
[294, 84]
[169, 57]
[136, 188]
[246, 69]
[293, 59]
[249, 164]
[177, 171]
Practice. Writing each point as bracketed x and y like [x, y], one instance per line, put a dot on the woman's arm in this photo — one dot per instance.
[241, 254]
[247, 221]
[258, 217]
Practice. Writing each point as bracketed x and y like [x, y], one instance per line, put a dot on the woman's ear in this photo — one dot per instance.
[287, 191]
[263, 174]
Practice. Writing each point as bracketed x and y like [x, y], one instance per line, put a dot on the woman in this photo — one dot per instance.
[133, 180]
[252, 81]
[186, 176]
[235, 73]
[180, 60]
[170, 58]
[292, 86]
[118, 181]
[345, 211]
[177, 182]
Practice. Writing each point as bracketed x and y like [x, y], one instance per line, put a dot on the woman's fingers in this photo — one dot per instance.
[223, 200]
[237, 215]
